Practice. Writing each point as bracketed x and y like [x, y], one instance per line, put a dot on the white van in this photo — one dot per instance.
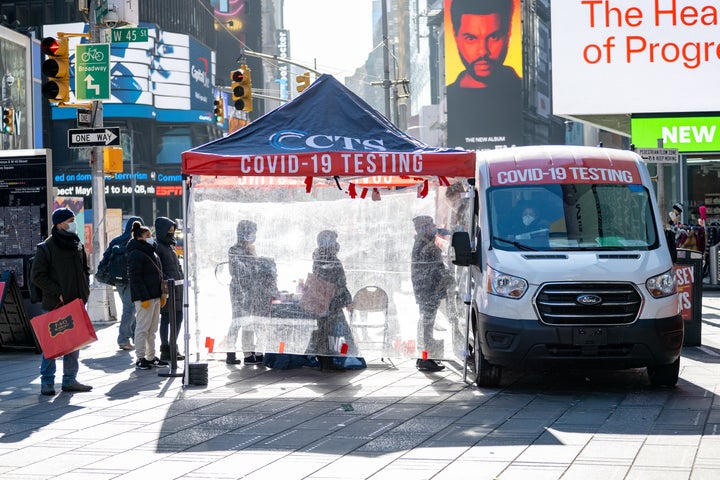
[586, 282]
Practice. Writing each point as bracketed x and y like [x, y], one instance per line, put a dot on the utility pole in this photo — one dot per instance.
[386, 60]
[103, 308]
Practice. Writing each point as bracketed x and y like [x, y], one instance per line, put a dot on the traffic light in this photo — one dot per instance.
[303, 81]
[56, 68]
[219, 111]
[242, 88]
[8, 120]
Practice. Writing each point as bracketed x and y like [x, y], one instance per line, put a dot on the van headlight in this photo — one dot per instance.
[662, 285]
[505, 285]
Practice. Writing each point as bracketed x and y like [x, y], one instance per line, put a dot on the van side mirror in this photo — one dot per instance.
[670, 237]
[460, 250]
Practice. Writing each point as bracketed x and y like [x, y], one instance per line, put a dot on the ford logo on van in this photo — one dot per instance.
[588, 299]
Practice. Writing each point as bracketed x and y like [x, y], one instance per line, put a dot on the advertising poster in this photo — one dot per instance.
[634, 57]
[483, 68]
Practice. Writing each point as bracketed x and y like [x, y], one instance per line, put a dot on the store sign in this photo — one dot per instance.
[687, 134]
[684, 275]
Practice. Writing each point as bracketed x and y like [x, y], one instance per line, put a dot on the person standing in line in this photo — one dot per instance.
[145, 276]
[165, 234]
[116, 258]
[252, 289]
[62, 278]
[429, 281]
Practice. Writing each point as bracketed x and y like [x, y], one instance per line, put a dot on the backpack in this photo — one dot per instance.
[35, 291]
[102, 274]
[116, 265]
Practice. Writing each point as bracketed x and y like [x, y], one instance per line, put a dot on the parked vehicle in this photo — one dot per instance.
[587, 283]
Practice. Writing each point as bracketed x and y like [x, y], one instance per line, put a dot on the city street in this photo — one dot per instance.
[388, 421]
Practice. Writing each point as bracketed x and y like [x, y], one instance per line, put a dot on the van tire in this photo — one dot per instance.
[486, 374]
[664, 375]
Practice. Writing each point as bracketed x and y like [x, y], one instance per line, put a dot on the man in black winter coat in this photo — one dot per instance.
[428, 276]
[165, 249]
[63, 276]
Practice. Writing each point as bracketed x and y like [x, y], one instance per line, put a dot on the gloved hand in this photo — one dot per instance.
[145, 304]
[163, 301]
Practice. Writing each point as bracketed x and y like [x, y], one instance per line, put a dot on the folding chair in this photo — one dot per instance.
[368, 300]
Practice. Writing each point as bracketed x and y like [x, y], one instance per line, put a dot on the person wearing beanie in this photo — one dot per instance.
[62, 273]
[165, 234]
[115, 260]
[253, 286]
[427, 274]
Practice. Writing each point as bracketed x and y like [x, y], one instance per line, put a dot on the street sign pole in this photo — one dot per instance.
[661, 184]
[103, 308]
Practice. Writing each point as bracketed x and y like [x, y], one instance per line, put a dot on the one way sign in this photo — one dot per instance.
[94, 137]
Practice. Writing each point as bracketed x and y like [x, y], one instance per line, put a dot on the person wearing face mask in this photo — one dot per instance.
[62, 276]
[429, 279]
[165, 232]
[333, 328]
[530, 220]
[253, 286]
[145, 277]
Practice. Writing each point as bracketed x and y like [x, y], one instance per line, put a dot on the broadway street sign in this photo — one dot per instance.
[94, 137]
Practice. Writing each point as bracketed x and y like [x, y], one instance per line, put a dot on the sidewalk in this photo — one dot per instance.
[383, 422]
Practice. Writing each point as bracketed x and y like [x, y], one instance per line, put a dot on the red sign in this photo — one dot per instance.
[331, 164]
[684, 275]
[168, 191]
[564, 171]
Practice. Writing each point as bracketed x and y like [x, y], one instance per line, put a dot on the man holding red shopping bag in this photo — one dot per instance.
[61, 271]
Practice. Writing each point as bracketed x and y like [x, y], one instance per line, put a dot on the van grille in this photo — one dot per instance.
[588, 303]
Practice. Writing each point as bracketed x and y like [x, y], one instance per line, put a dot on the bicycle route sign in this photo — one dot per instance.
[92, 71]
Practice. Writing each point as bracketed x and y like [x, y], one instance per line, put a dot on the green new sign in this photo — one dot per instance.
[687, 134]
[124, 35]
[92, 71]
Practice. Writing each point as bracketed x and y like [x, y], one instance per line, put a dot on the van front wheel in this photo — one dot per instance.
[486, 374]
[664, 375]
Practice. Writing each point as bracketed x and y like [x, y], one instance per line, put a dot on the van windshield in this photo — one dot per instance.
[572, 217]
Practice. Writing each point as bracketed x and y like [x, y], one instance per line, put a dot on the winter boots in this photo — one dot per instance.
[231, 359]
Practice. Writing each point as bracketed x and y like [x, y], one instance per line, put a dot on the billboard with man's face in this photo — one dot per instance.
[483, 68]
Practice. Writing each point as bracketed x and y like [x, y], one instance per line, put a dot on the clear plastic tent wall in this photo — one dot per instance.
[377, 317]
